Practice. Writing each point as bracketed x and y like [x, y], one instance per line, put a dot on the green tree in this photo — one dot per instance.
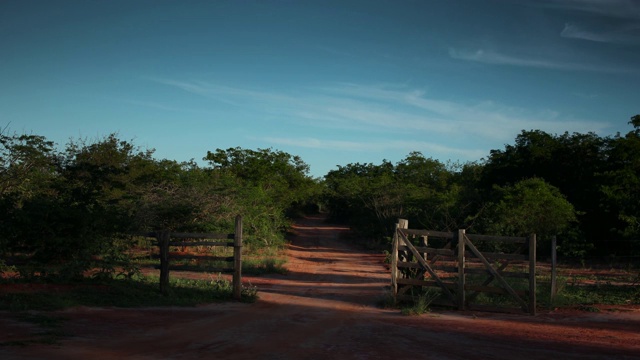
[532, 206]
[621, 188]
[267, 186]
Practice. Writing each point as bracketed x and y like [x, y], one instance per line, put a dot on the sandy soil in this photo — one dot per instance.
[326, 308]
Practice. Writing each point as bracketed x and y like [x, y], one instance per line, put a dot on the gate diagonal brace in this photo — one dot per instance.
[491, 278]
[495, 274]
[426, 266]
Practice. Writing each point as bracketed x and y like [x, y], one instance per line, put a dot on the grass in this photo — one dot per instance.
[254, 266]
[421, 303]
[139, 291]
[575, 294]
[582, 292]
[256, 261]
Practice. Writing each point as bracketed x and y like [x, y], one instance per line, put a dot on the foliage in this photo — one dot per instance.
[530, 206]
[420, 304]
[372, 197]
[266, 186]
[138, 291]
[599, 176]
[71, 210]
[620, 185]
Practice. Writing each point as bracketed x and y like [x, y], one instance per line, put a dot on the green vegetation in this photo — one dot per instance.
[581, 188]
[70, 212]
[138, 291]
[421, 302]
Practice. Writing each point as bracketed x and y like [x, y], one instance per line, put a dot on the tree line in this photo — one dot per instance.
[65, 211]
[68, 211]
[582, 188]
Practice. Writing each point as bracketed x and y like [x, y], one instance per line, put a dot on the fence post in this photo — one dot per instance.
[237, 259]
[403, 224]
[554, 270]
[394, 264]
[532, 274]
[461, 277]
[163, 243]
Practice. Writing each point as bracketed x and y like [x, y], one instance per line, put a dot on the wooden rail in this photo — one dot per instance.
[417, 263]
[163, 239]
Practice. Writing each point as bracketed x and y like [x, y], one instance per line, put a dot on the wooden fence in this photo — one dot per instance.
[451, 263]
[166, 239]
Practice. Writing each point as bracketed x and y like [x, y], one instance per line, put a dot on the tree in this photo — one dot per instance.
[266, 185]
[26, 163]
[532, 206]
[620, 186]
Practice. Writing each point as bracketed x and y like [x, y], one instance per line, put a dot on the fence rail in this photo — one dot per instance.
[164, 241]
[416, 262]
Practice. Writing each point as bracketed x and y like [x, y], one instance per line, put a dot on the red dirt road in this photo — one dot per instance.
[326, 308]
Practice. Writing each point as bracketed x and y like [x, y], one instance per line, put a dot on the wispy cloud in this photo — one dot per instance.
[491, 57]
[164, 107]
[406, 117]
[227, 94]
[625, 9]
[626, 34]
[376, 146]
[495, 58]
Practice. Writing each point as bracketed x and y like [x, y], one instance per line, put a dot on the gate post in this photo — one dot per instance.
[554, 270]
[163, 244]
[461, 278]
[532, 274]
[394, 264]
[402, 224]
[237, 259]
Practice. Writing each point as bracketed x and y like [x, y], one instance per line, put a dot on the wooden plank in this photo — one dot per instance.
[500, 256]
[203, 257]
[491, 278]
[446, 246]
[532, 274]
[202, 236]
[554, 271]
[499, 309]
[512, 239]
[427, 283]
[436, 234]
[403, 255]
[493, 271]
[200, 243]
[408, 265]
[461, 276]
[510, 274]
[444, 269]
[416, 254]
[394, 265]
[163, 242]
[493, 290]
[237, 264]
[194, 268]
[441, 252]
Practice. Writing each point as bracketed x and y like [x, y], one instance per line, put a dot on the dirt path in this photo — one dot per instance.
[326, 308]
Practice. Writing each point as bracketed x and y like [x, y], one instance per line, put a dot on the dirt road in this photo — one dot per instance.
[326, 308]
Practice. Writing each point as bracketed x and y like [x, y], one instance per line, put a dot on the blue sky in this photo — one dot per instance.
[335, 82]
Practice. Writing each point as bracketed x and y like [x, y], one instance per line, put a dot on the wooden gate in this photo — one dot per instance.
[467, 278]
[164, 240]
